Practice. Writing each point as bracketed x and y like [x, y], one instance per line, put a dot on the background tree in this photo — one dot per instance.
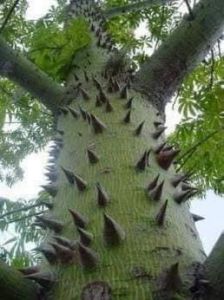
[88, 66]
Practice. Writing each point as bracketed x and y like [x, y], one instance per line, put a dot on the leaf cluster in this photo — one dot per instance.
[53, 47]
[201, 130]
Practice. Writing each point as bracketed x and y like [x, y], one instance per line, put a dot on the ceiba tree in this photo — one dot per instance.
[119, 226]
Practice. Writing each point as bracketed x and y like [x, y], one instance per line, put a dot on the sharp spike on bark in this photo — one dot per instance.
[88, 258]
[92, 27]
[181, 196]
[158, 124]
[98, 102]
[65, 242]
[65, 255]
[57, 139]
[51, 189]
[83, 113]
[52, 176]
[102, 96]
[86, 76]
[97, 84]
[85, 237]
[29, 270]
[109, 107]
[78, 219]
[156, 193]
[64, 110]
[45, 279]
[98, 126]
[113, 233]
[159, 148]
[177, 179]
[53, 224]
[48, 204]
[168, 148]
[158, 132]
[76, 77]
[74, 112]
[102, 197]
[172, 281]
[61, 132]
[197, 218]
[92, 156]
[80, 183]
[39, 224]
[185, 186]
[88, 117]
[49, 253]
[153, 183]
[116, 86]
[124, 92]
[143, 162]
[127, 118]
[165, 158]
[138, 130]
[128, 105]
[160, 217]
[69, 175]
[110, 86]
[84, 93]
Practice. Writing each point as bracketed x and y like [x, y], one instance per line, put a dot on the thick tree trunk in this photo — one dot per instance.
[141, 242]
[122, 227]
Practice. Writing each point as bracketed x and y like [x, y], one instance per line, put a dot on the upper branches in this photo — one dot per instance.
[20, 70]
[137, 6]
[161, 75]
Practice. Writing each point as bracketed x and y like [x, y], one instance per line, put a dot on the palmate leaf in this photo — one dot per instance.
[53, 48]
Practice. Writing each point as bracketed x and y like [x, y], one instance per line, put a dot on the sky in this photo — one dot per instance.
[211, 208]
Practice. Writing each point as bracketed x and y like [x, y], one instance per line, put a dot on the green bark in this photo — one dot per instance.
[151, 250]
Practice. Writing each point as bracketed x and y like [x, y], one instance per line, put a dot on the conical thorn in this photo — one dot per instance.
[88, 258]
[113, 233]
[160, 217]
[78, 219]
[85, 236]
[98, 126]
[102, 197]
[138, 130]
[92, 156]
[156, 193]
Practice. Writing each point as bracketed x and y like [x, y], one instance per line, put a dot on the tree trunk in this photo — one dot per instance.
[122, 226]
[141, 242]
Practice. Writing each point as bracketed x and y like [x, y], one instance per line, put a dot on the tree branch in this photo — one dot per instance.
[161, 75]
[14, 286]
[9, 15]
[191, 150]
[137, 6]
[27, 216]
[21, 209]
[17, 68]
[214, 269]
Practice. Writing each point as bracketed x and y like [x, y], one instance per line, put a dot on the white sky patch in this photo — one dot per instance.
[38, 8]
